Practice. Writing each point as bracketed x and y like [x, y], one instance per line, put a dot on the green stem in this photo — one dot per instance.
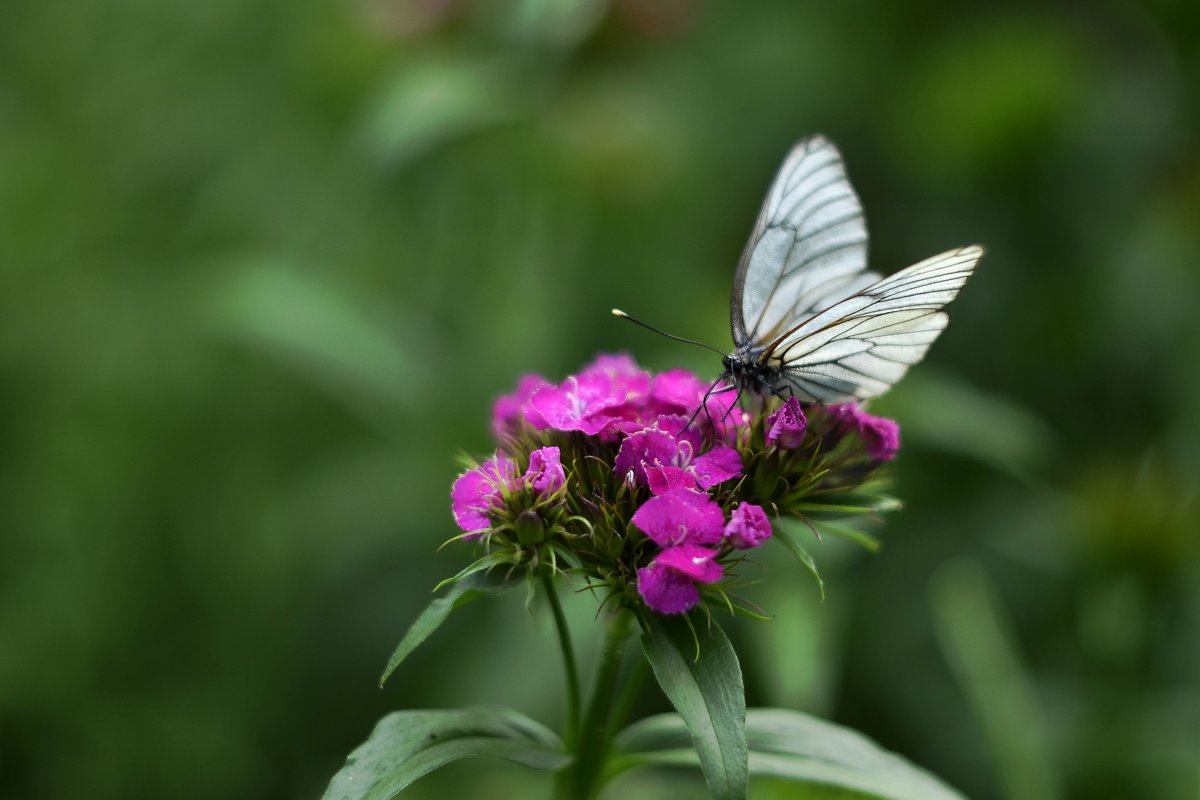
[568, 655]
[582, 780]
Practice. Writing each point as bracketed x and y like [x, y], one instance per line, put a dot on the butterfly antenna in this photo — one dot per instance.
[619, 313]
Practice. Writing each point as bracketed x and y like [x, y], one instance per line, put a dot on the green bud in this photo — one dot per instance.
[530, 528]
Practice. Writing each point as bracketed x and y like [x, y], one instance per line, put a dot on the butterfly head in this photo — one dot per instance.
[749, 371]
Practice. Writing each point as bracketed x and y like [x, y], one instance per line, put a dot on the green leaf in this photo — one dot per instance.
[841, 506]
[328, 336]
[441, 96]
[849, 533]
[943, 412]
[786, 532]
[706, 690]
[795, 747]
[408, 744]
[485, 563]
[462, 591]
[976, 637]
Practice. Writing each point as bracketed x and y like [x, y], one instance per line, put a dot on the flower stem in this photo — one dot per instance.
[582, 780]
[568, 655]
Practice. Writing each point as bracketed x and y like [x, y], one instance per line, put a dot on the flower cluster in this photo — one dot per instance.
[655, 486]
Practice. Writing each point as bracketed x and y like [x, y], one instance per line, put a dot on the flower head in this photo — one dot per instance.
[652, 485]
[650, 452]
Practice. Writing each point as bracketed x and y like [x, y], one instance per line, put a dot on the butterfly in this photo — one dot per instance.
[808, 319]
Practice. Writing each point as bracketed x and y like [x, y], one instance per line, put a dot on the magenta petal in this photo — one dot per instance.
[880, 435]
[625, 382]
[665, 590]
[478, 491]
[717, 465]
[677, 426]
[697, 563]
[665, 479]
[545, 473]
[677, 391]
[613, 364]
[748, 526]
[647, 447]
[549, 407]
[786, 425]
[720, 401]
[576, 405]
[681, 516]
[510, 410]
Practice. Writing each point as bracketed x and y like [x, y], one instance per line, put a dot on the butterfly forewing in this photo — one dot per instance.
[808, 249]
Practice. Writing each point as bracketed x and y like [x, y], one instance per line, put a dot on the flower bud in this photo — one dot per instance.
[530, 528]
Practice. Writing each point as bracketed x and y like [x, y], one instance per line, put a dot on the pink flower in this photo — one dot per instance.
[668, 585]
[508, 412]
[786, 426]
[646, 447]
[647, 452]
[545, 474]
[480, 490]
[678, 391]
[748, 526]
[880, 435]
[630, 384]
[681, 516]
[597, 400]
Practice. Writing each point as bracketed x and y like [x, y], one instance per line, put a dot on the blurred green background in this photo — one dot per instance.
[264, 265]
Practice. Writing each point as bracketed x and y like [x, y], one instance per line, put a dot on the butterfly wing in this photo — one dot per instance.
[808, 249]
[861, 345]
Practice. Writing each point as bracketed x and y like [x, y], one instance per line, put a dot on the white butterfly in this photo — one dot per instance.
[808, 318]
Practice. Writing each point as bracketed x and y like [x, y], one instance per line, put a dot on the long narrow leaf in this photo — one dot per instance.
[706, 689]
[406, 745]
[849, 533]
[792, 746]
[977, 641]
[461, 592]
[787, 534]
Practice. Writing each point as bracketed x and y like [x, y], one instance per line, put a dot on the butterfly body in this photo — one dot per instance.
[748, 371]
[808, 319]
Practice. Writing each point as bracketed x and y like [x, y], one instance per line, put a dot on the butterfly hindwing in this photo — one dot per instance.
[860, 346]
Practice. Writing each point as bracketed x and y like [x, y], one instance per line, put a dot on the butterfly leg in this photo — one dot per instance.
[704, 403]
[732, 405]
